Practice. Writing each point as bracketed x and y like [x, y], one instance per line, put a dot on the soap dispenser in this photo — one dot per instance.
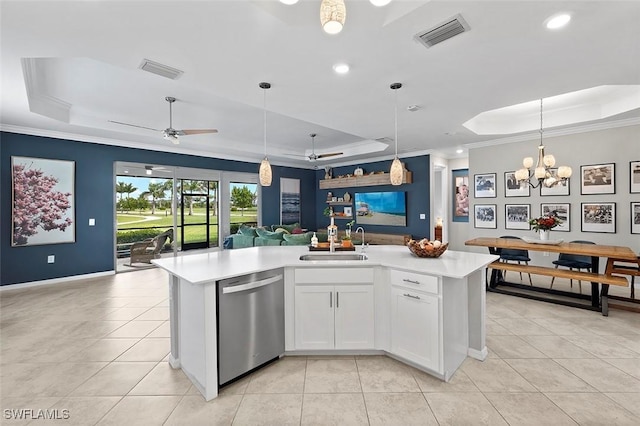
[314, 240]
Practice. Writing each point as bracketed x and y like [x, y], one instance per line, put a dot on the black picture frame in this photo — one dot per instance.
[635, 217]
[485, 216]
[634, 177]
[562, 188]
[516, 216]
[484, 185]
[562, 211]
[512, 188]
[598, 179]
[598, 217]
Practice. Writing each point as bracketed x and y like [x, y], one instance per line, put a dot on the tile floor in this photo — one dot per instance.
[98, 349]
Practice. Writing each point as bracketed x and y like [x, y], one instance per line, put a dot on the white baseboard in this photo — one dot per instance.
[56, 280]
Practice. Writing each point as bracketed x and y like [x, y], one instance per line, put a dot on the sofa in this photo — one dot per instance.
[274, 235]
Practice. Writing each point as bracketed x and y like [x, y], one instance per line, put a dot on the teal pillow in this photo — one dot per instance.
[249, 231]
[299, 239]
[269, 235]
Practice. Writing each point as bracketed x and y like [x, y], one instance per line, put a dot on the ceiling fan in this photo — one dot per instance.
[170, 133]
[313, 156]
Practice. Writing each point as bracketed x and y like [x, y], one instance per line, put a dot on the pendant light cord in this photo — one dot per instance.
[264, 109]
[540, 121]
[396, 121]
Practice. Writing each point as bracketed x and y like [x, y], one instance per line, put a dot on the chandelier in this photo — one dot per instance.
[544, 172]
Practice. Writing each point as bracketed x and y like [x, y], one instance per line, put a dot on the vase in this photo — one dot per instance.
[544, 234]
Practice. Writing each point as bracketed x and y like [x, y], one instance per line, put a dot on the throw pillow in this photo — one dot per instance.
[284, 231]
[301, 239]
[269, 235]
[247, 230]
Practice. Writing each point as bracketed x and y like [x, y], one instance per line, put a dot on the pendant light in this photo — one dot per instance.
[265, 167]
[332, 15]
[396, 166]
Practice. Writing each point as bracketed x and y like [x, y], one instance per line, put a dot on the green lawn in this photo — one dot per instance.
[162, 221]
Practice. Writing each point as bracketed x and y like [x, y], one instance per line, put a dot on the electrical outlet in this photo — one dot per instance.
[423, 216]
[51, 259]
[92, 222]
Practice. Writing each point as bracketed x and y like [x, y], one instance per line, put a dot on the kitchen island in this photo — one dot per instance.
[428, 313]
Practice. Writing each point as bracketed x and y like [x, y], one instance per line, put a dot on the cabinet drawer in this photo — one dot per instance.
[421, 282]
[333, 275]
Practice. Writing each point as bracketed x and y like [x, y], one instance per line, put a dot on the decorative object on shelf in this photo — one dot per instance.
[347, 211]
[598, 217]
[346, 197]
[358, 171]
[598, 179]
[347, 230]
[332, 231]
[327, 172]
[426, 248]
[544, 224]
[543, 172]
[328, 211]
[329, 196]
[397, 168]
[485, 185]
[265, 168]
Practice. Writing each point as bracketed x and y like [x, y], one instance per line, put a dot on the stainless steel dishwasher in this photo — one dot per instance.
[250, 322]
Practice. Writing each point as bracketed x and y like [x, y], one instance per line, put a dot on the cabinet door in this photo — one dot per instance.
[314, 321]
[354, 317]
[414, 327]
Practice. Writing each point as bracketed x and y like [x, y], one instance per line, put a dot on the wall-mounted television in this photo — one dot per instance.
[381, 208]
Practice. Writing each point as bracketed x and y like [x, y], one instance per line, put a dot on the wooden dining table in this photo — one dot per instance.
[599, 282]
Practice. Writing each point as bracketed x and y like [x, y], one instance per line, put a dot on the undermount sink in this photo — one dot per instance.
[349, 256]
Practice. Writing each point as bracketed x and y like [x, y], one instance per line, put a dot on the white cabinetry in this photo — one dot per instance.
[414, 326]
[415, 318]
[334, 316]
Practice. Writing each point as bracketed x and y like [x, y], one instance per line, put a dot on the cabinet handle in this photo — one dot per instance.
[337, 299]
[411, 296]
[331, 300]
[411, 281]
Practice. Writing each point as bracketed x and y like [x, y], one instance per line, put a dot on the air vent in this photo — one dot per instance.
[160, 69]
[450, 28]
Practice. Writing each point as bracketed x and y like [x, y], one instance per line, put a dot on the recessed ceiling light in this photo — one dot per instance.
[459, 151]
[380, 2]
[557, 21]
[341, 68]
[289, 2]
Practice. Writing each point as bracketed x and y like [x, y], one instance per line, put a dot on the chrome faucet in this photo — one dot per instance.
[358, 229]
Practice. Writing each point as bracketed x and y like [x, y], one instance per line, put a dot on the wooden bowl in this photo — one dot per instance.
[414, 247]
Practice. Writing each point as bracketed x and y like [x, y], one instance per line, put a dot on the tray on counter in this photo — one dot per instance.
[336, 248]
[539, 241]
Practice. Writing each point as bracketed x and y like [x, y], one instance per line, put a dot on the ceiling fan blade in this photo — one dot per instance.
[134, 125]
[195, 131]
[333, 154]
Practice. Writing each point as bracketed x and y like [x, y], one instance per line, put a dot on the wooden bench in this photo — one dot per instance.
[560, 273]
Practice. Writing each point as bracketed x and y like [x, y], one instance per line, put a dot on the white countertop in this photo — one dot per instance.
[218, 265]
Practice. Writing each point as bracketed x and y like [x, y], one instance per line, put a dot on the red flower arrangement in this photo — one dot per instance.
[544, 223]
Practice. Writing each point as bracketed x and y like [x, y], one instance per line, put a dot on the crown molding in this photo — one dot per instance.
[39, 101]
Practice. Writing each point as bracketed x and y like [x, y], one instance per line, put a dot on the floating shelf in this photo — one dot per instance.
[368, 180]
[342, 217]
[339, 203]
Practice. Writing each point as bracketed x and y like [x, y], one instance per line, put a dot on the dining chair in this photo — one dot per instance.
[573, 261]
[515, 255]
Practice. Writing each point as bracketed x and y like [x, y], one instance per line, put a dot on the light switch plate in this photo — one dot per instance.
[423, 216]
[51, 258]
[92, 222]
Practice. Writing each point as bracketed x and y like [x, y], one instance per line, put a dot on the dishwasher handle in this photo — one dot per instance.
[251, 285]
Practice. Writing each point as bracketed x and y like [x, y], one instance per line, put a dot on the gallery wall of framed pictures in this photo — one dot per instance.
[598, 213]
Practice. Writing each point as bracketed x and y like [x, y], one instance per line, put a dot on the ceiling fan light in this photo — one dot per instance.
[332, 15]
[265, 172]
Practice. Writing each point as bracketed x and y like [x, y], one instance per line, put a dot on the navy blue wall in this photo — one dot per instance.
[93, 250]
[417, 196]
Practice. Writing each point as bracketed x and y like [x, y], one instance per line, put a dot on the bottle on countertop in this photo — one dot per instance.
[314, 240]
[332, 231]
